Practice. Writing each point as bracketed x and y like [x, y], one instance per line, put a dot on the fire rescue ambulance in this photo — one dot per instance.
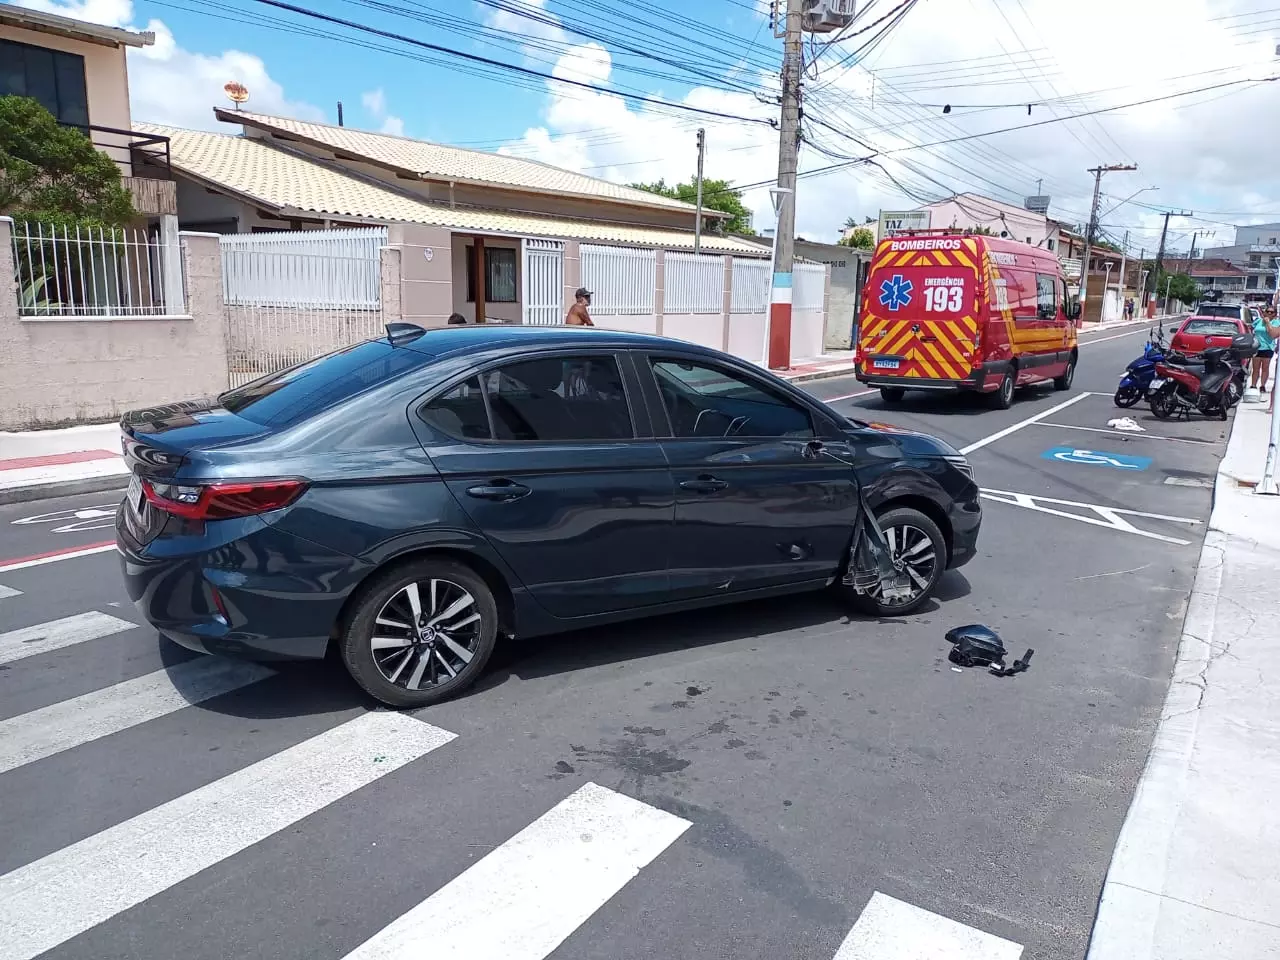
[948, 311]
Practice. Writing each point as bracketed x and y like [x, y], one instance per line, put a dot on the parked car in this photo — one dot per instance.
[1227, 311]
[1199, 332]
[951, 312]
[409, 499]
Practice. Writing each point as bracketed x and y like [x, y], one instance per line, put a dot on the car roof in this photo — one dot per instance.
[445, 341]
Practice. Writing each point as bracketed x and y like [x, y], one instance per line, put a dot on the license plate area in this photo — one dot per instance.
[1156, 384]
[135, 499]
[886, 363]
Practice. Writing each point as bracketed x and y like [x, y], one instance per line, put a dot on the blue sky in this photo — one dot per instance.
[1212, 152]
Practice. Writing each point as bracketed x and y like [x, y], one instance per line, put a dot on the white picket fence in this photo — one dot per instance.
[693, 283]
[623, 279]
[751, 281]
[808, 287]
[311, 268]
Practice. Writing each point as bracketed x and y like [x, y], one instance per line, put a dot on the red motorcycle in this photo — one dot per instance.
[1211, 389]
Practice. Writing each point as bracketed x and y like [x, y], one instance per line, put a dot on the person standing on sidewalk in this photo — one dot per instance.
[578, 314]
[1266, 329]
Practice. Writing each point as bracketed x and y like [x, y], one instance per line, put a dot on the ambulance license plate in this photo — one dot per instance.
[886, 364]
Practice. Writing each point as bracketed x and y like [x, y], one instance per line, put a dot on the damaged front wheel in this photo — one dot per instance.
[918, 551]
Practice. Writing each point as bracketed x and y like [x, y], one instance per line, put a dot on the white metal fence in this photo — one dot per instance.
[809, 286]
[311, 268]
[93, 272]
[693, 283]
[751, 281]
[623, 279]
[543, 282]
[293, 296]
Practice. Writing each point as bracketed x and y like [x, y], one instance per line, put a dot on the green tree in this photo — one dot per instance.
[716, 195]
[1181, 287]
[980, 231]
[53, 173]
[860, 238]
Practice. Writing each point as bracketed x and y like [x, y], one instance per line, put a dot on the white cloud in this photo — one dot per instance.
[375, 103]
[171, 85]
[1211, 152]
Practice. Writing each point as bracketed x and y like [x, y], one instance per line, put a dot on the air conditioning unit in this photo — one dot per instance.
[827, 16]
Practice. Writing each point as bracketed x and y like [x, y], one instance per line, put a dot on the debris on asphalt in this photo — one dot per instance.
[1019, 666]
[1127, 424]
[975, 645]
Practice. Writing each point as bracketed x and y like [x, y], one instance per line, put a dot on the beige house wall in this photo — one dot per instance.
[426, 272]
[107, 78]
[56, 372]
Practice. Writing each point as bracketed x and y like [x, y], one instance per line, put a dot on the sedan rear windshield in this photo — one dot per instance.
[282, 399]
[1212, 328]
[1219, 310]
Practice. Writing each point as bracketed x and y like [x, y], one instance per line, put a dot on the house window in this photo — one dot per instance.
[1052, 244]
[499, 275]
[51, 77]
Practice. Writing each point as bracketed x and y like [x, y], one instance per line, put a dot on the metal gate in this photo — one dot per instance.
[294, 295]
[543, 282]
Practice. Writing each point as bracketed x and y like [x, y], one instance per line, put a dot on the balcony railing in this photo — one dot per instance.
[153, 195]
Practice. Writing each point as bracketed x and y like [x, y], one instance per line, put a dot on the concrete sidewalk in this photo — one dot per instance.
[49, 463]
[1196, 872]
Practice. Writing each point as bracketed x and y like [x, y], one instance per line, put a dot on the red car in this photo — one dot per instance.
[1199, 333]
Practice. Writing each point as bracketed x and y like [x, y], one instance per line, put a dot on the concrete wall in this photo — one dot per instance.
[61, 371]
[461, 249]
[107, 78]
[426, 272]
[746, 335]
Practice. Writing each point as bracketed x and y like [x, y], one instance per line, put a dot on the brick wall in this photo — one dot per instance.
[59, 371]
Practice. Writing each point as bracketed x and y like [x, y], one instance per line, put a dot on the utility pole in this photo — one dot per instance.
[1092, 229]
[697, 227]
[1155, 270]
[779, 336]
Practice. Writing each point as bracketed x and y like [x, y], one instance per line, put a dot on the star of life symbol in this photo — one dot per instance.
[896, 293]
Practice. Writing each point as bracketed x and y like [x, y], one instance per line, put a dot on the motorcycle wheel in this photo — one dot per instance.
[1127, 396]
[1163, 406]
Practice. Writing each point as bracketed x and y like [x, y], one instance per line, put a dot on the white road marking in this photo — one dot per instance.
[61, 726]
[1085, 343]
[1205, 482]
[1000, 435]
[55, 557]
[1111, 517]
[56, 634]
[6, 592]
[1127, 433]
[526, 897]
[74, 889]
[890, 929]
[849, 396]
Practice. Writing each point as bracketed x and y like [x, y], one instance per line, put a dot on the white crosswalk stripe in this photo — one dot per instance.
[524, 899]
[6, 592]
[56, 634]
[61, 726]
[48, 902]
[890, 929]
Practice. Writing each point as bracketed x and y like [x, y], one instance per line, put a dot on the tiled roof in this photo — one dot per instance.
[439, 162]
[284, 181]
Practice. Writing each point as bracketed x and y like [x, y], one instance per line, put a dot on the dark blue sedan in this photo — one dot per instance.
[410, 499]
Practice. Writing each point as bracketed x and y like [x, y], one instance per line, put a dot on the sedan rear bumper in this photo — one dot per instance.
[264, 596]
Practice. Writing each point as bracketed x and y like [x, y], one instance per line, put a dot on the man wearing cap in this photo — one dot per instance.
[578, 315]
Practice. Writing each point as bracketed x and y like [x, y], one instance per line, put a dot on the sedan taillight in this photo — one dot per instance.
[222, 501]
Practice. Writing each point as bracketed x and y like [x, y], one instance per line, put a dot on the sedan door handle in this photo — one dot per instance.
[500, 490]
[704, 484]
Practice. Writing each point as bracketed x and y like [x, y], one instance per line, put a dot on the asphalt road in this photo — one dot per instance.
[817, 759]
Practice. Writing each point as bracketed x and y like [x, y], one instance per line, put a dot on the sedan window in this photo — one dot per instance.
[460, 413]
[559, 399]
[706, 401]
[1212, 328]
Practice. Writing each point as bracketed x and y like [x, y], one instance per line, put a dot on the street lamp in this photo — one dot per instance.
[1168, 281]
[1106, 286]
[1124, 201]
[775, 197]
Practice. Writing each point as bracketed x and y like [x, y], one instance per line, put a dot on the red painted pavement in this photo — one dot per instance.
[53, 459]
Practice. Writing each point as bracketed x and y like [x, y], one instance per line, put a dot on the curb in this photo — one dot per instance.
[820, 375]
[62, 488]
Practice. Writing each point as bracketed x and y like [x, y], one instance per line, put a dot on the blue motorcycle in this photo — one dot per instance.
[1139, 374]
